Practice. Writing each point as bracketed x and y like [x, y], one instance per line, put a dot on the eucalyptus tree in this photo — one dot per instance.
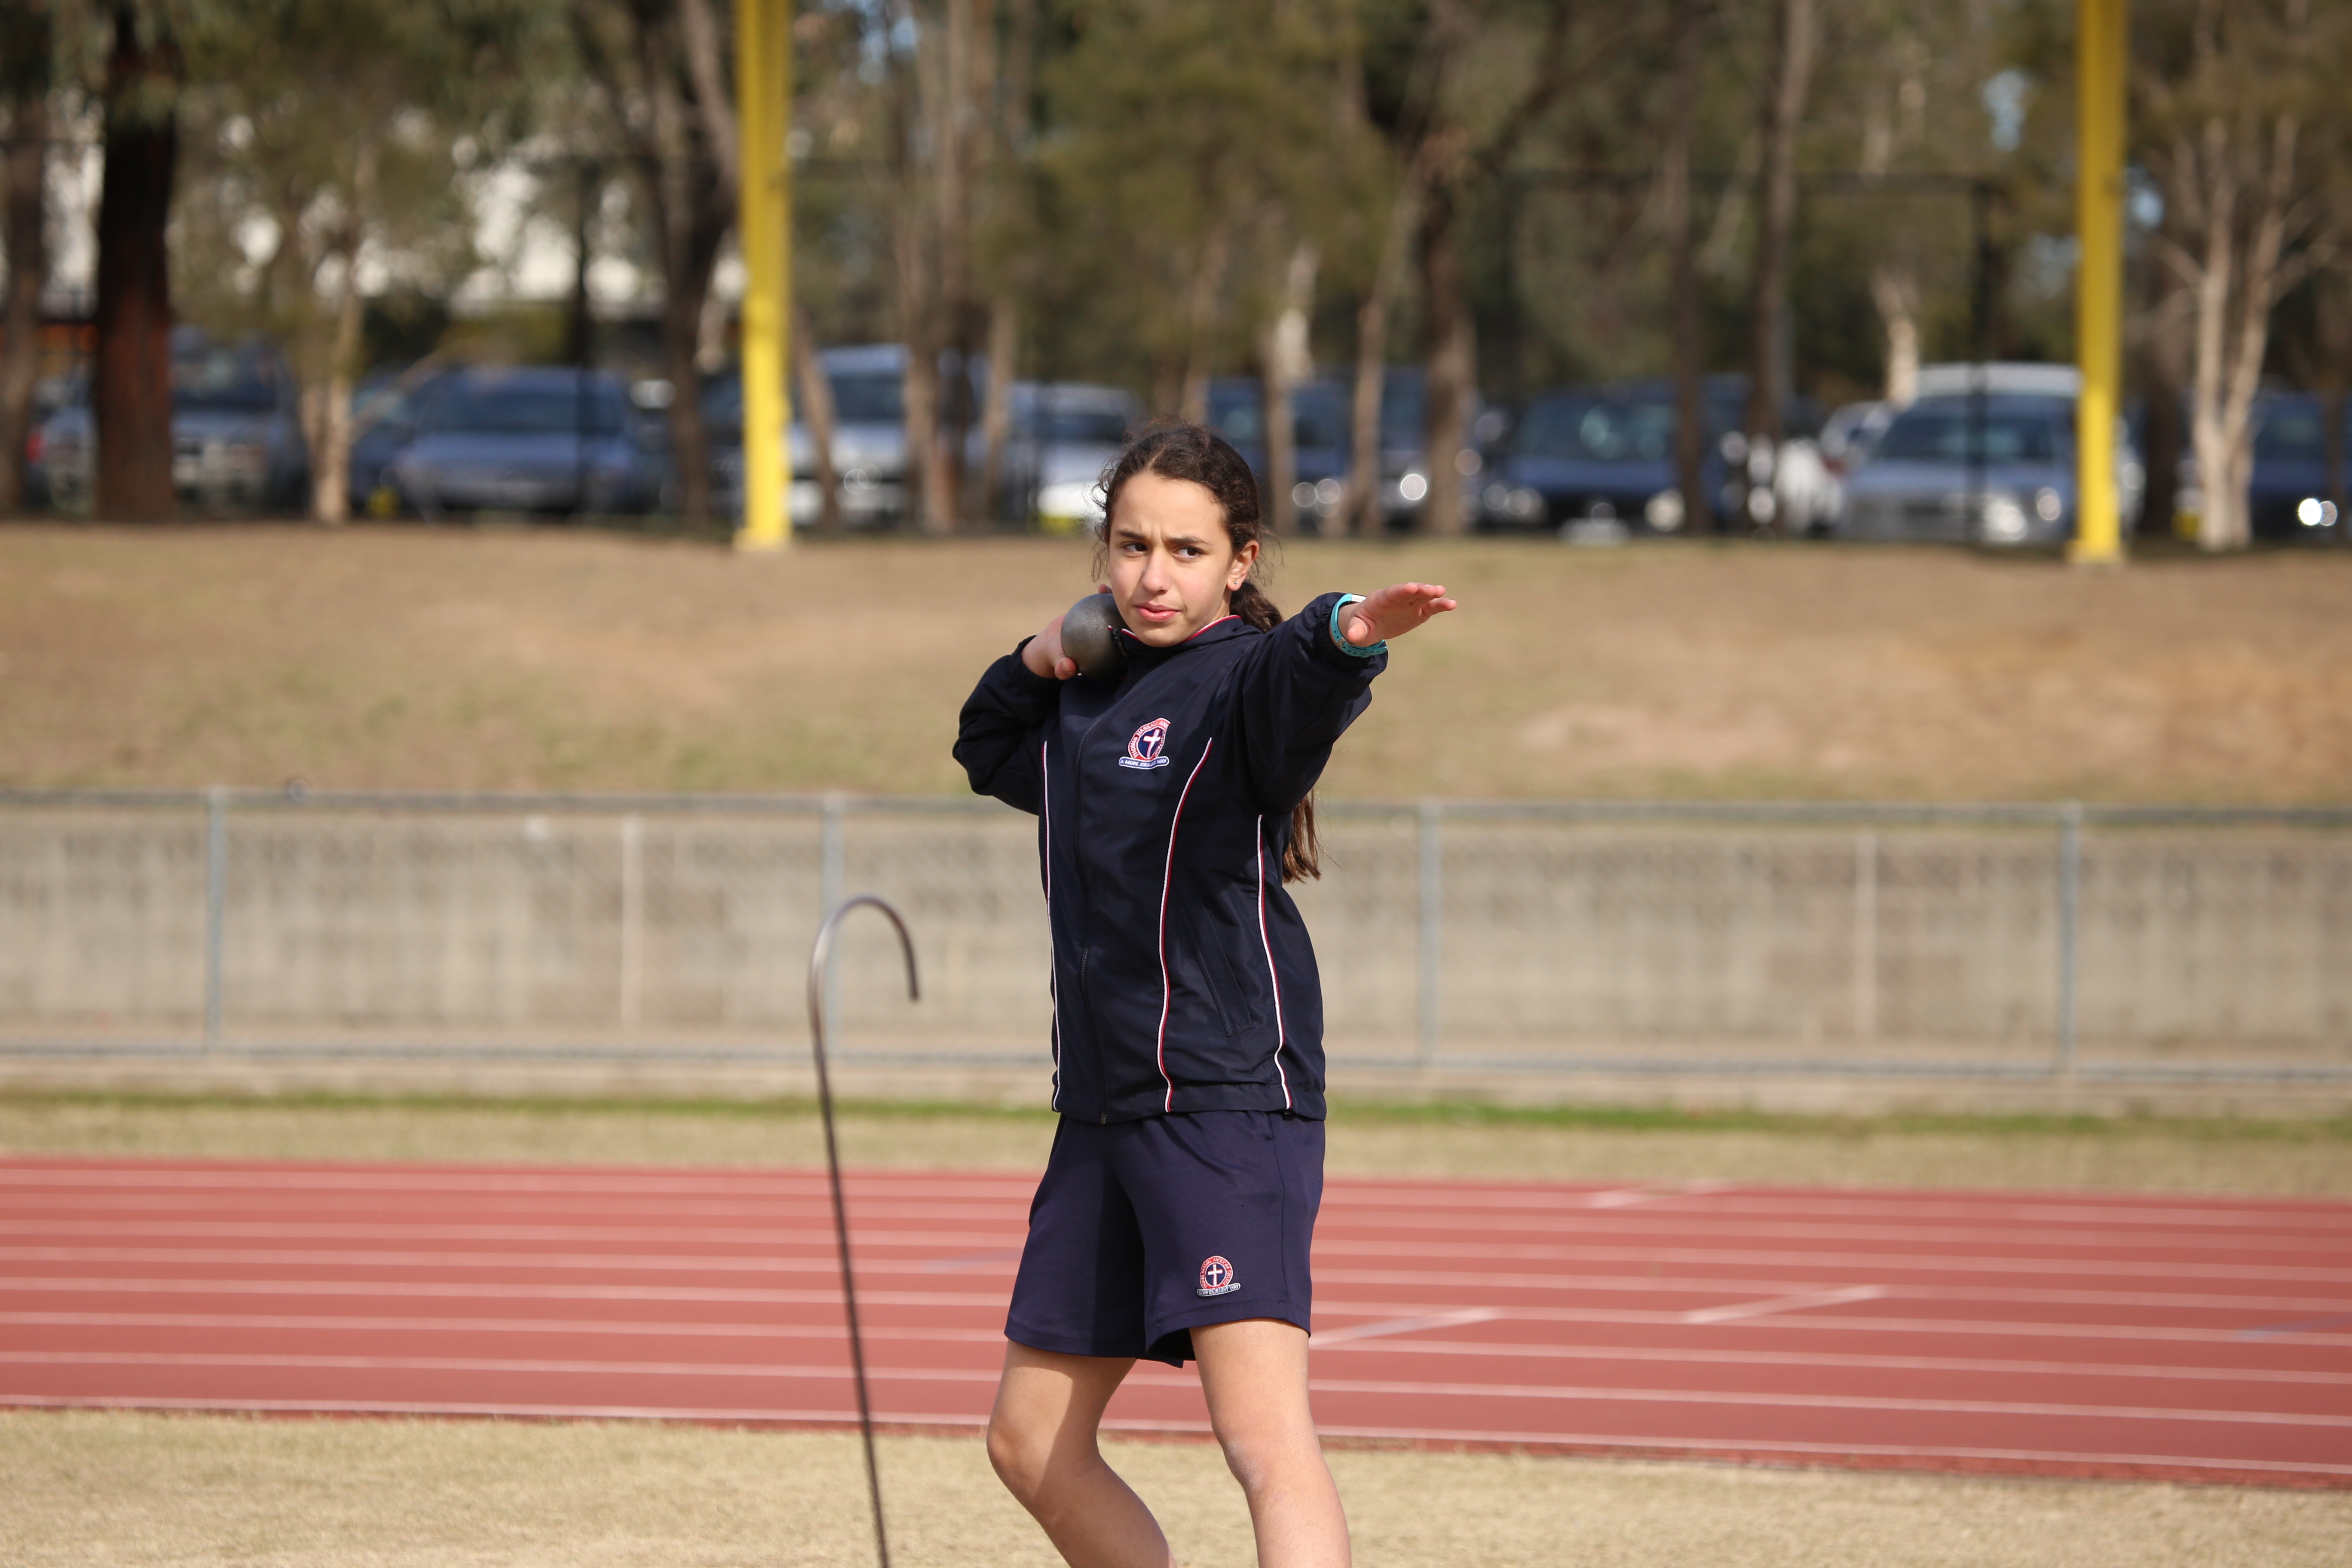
[27, 73]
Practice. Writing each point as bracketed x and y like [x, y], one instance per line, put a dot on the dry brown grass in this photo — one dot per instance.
[107, 1490]
[458, 659]
[2311, 1160]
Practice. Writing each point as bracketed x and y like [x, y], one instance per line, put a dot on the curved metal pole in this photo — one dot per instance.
[818, 954]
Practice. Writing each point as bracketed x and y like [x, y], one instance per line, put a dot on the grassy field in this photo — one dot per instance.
[2299, 1158]
[103, 1491]
[385, 657]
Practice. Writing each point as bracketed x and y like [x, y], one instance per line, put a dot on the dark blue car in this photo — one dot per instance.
[1604, 454]
[532, 440]
[2291, 498]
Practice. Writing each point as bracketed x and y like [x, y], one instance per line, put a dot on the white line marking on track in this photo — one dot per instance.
[1407, 1326]
[1738, 1309]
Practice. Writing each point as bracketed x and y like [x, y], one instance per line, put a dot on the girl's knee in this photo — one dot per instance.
[1025, 1460]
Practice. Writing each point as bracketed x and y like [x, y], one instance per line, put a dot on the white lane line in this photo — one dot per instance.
[1720, 1257]
[315, 1178]
[1667, 1284]
[495, 1291]
[673, 1263]
[568, 1367]
[1521, 1351]
[1506, 1349]
[708, 1236]
[965, 1419]
[1153, 1377]
[1809, 1402]
[1738, 1309]
[1652, 1222]
[1394, 1326]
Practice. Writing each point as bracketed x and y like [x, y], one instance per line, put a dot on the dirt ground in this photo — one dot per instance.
[2306, 1159]
[404, 657]
[88, 1490]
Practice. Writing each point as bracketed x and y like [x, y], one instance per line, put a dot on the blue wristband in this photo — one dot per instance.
[1341, 643]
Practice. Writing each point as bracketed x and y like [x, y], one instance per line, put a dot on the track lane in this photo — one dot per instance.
[2057, 1333]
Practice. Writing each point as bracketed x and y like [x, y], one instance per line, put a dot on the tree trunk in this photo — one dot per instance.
[1360, 512]
[1200, 316]
[27, 224]
[1284, 362]
[996, 412]
[1768, 296]
[1894, 290]
[1675, 213]
[816, 413]
[1450, 366]
[130, 389]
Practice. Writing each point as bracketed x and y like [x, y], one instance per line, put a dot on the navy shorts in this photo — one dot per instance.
[1143, 1231]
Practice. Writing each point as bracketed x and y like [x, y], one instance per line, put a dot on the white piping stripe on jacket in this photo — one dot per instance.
[1167, 878]
[1281, 1034]
[1053, 967]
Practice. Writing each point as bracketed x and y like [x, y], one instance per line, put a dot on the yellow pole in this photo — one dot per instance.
[2099, 63]
[763, 75]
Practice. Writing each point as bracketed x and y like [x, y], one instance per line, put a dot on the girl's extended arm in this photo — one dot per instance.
[1302, 689]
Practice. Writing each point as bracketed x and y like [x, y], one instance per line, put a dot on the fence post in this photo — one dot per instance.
[1865, 934]
[215, 908]
[1432, 869]
[2070, 898]
[633, 918]
[830, 876]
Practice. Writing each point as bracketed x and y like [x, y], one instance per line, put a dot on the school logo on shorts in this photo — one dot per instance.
[1217, 1278]
[1148, 747]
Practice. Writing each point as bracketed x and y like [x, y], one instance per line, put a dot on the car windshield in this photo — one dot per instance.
[1595, 429]
[534, 407]
[1318, 417]
[233, 379]
[2292, 434]
[1942, 434]
[868, 399]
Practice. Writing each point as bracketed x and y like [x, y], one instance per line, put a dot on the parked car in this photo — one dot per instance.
[2002, 474]
[2290, 494]
[236, 431]
[386, 405]
[1064, 435]
[1318, 424]
[531, 439]
[1605, 455]
[869, 439]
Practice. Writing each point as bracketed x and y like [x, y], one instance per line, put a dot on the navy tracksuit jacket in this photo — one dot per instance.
[1183, 979]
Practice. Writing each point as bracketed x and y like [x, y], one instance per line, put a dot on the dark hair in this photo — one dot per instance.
[1175, 449]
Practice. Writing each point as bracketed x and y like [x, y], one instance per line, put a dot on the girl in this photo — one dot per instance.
[1175, 1216]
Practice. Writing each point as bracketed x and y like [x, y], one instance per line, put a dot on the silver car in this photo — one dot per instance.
[2000, 473]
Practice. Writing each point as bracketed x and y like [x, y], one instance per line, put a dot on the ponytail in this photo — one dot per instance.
[1181, 451]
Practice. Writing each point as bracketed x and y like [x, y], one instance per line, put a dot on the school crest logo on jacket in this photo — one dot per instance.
[1148, 747]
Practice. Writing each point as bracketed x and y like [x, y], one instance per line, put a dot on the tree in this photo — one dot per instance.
[322, 145]
[26, 47]
[2228, 94]
[660, 67]
[130, 387]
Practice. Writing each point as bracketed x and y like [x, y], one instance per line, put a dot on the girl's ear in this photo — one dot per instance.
[1244, 559]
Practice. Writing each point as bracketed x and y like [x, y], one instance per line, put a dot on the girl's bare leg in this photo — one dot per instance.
[1041, 1438]
[1255, 1374]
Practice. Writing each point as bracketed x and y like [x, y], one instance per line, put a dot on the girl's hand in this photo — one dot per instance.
[1043, 657]
[1391, 613]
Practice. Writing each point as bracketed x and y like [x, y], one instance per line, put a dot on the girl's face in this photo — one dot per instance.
[1172, 565]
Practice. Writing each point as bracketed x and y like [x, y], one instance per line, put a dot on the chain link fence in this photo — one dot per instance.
[2075, 941]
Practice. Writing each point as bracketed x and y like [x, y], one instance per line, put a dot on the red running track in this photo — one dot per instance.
[2202, 1339]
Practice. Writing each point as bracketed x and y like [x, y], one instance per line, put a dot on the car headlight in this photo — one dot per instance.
[2313, 513]
[1414, 485]
[2048, 503]
[2003, 520]
[1663, 511]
